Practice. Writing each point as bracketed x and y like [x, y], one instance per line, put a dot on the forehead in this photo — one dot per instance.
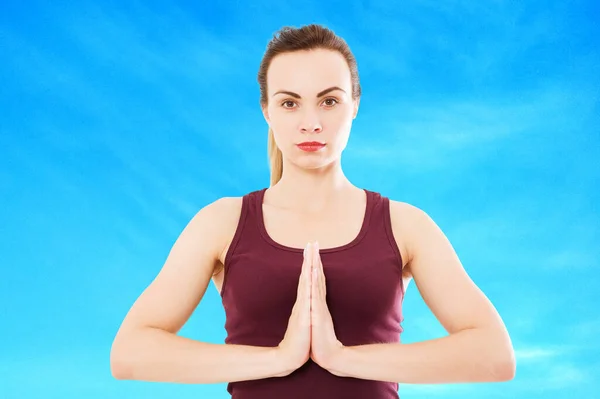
[308, 72]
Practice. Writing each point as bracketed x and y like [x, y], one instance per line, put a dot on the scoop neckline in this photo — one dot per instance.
[265, 235]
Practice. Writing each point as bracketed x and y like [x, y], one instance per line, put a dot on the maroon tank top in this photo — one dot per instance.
[364, 296]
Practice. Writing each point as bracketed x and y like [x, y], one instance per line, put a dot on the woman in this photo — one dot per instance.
[312, 270]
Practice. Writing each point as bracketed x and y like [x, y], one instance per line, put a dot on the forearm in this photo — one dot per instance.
[474, 355]
[151, 354]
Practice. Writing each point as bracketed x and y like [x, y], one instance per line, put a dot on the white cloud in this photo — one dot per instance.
[529, 354]
[558, 375]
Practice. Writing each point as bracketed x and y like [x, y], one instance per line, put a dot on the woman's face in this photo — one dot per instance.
[310, 99]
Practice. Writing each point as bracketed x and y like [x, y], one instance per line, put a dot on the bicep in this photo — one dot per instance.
[447, 289]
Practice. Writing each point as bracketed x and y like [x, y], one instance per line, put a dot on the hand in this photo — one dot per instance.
[324, 344]
[295, 346]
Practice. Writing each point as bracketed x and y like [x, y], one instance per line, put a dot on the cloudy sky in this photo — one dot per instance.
[119, 122]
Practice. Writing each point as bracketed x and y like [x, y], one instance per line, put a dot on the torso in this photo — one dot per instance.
[332, 228]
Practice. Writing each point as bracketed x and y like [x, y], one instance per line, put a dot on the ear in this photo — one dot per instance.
[265, 112]
[356, 105]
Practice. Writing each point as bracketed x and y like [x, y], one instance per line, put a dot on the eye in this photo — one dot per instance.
[335, 101]
[283, 104]
[329, 102]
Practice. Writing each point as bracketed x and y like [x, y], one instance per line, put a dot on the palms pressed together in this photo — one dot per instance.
[324, 344]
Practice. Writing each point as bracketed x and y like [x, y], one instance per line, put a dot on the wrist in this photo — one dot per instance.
[336, 360]
[284, 364]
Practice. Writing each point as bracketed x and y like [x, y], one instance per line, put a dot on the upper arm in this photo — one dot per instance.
[169, 300]
[445, 286]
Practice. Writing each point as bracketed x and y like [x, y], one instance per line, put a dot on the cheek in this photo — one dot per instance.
[338, 122]
[280, 120]
[284, 132]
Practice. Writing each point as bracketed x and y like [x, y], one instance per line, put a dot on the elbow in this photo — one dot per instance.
[504, 368]
[119, 368]
[117, 372]
[500, 357]
[504, 372]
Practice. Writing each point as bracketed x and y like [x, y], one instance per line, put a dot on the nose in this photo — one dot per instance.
[311, 128]
[310, 121]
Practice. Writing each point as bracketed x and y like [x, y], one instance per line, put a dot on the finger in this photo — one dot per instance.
[314, 299]
[304, 273]
[306, 276]
[316, 272]
[323, 285]
[319, 283]
[318, 265]
[315, 255]
[317, 296]
[306, 259]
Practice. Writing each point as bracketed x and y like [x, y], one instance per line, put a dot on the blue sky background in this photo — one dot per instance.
[119, 122]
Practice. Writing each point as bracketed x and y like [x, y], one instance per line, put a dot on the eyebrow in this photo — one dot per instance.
[321, 93]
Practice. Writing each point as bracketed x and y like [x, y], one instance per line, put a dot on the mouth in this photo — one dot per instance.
[311, 146]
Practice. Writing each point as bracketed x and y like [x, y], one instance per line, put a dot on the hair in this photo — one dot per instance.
[289, 39]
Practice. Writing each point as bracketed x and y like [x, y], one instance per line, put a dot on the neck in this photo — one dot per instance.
[311, 190]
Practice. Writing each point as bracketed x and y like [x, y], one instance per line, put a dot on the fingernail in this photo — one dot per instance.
[306, 248]
[316, 245]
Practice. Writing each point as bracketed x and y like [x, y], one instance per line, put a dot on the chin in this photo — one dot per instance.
[312, 161]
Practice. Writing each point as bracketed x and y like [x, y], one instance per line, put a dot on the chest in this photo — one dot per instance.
[363, 283]
[332, 229]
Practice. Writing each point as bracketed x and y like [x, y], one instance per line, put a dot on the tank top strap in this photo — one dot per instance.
[380, 227]
[248, 221]
[376, 205]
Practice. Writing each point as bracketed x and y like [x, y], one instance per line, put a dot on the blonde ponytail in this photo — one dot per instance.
[275, 159]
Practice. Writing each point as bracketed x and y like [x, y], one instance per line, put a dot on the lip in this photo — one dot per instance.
[310, 146]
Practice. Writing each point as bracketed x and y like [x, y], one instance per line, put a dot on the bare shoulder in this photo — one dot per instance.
[219, 218]
[420, 233]
[405, 214]
[406, 219]
[225, 209]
